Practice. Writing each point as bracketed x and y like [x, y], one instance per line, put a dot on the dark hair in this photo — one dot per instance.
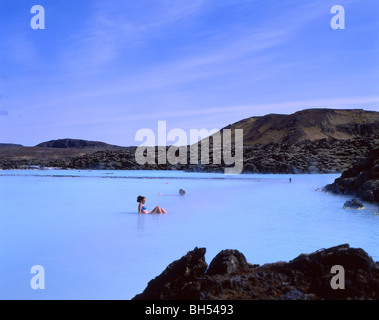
[140, 198]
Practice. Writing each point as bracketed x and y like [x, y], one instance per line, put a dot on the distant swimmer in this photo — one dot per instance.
[182, 192]
[142, 209]
[290, 180]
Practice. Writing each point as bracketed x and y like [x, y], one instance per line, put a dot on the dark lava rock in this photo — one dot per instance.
[353, 204]
[170, 284]
[295, 295]
[361, 179]
[361, 273]
[229, 276]
[228, 262]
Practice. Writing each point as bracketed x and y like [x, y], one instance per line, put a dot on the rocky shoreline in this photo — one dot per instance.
[230, 277]
[361, 180]
[322, 156]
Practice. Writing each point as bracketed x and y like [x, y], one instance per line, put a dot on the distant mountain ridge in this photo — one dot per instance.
[10, 145]
[76, 144]
[308, 141]
[309, 124]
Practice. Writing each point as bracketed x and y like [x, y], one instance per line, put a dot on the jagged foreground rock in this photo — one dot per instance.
[230, 277]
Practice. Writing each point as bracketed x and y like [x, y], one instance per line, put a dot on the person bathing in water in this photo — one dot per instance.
[142, 209]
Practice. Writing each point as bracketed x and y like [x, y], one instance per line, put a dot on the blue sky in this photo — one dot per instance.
[102, 70]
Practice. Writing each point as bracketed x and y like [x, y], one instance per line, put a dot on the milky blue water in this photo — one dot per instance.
[83, 226]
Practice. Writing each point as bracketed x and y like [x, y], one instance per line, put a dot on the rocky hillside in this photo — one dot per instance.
[310, 124]
[321, 156]
[361, 180]
[308, 141]
[306, 157]
[230, 277]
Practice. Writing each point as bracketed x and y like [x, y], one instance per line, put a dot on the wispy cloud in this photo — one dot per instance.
[110, 36]
[3, 112]
[19, 48]
[111, 30]
[236, 112]
[292, 106]
[203, 61]
[108, 33]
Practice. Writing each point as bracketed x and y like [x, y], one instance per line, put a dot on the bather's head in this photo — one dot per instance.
[141, 199]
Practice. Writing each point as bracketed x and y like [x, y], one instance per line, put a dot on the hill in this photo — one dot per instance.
[308, 141]
[76, 144]
[310, 124]
[14, 156]
[9, 145]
